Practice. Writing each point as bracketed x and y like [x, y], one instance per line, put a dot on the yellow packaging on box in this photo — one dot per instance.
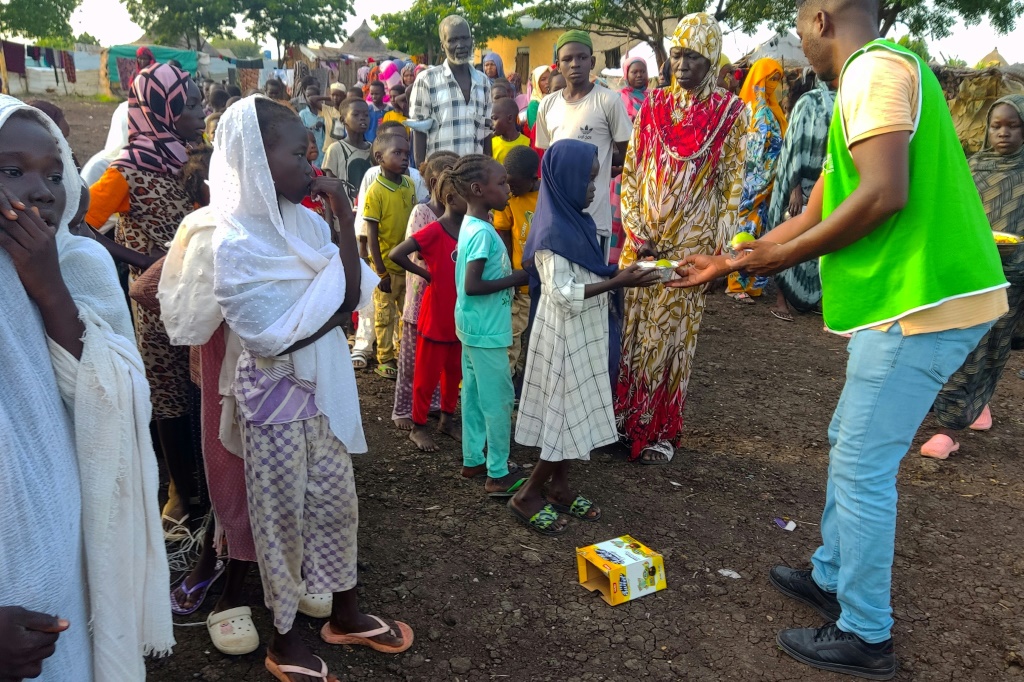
[622, 569]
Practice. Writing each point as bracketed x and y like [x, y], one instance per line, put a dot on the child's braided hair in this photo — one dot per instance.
[436, 163]
[467, 170]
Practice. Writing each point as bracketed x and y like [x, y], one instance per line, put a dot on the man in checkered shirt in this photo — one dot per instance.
[454, 97]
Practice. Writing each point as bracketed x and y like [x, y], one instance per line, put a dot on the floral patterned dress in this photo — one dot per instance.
[681, 188]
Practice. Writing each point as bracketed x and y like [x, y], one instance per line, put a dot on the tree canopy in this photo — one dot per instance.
[414, 31]
[649, 20]
[38, 19]
[170, 22]
[297, 22]
[243, 49]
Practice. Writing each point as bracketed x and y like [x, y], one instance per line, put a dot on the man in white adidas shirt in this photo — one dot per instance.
[588, 112]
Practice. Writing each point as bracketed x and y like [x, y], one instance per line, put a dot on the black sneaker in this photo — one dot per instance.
[801, 586]
[829, 648]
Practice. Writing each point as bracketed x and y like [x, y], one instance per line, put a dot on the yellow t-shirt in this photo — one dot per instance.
[395, 116]
[389, 205]
[881, 94]
[516, 218]
[500, 146]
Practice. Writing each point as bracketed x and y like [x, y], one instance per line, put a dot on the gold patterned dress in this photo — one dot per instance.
[681, 187]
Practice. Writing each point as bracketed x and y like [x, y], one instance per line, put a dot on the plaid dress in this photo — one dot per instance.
[566, 406]
[458, 126]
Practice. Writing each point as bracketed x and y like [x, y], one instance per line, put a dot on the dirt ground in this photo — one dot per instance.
[490, 600]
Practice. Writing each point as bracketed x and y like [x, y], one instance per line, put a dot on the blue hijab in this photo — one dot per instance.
[560, 225]
[493, 57]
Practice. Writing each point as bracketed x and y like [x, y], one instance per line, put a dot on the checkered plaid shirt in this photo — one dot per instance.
[458, 126]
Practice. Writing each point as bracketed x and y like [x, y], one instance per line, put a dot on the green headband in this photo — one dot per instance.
[574, 36]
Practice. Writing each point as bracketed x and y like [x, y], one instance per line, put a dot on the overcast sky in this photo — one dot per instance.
[108, 21]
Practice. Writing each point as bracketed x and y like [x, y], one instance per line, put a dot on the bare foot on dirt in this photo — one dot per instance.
[404, 424]
[450, 427]
[421, 436]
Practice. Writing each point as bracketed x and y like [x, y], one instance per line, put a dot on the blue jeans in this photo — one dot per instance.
[891, 382]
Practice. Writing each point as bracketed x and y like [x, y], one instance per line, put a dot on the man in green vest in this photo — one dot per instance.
[910, 269]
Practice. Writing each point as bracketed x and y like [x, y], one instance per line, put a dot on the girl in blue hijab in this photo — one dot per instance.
[566, 405]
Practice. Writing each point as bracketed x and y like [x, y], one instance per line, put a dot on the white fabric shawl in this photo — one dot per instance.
[277, 276]
[107, 396]
[190, 311]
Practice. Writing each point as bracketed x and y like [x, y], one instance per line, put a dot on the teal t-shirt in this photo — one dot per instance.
[482, 321]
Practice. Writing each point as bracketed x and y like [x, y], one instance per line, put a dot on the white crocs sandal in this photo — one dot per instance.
[316, 605]
[233, 632]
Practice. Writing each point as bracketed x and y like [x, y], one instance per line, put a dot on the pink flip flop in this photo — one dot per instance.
[281, 671]
[983, 422]
[364, 638]
[940, 446]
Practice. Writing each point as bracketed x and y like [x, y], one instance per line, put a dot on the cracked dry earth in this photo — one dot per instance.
[490, 600]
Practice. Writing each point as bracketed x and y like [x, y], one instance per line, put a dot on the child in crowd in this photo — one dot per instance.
[354, 93]
[504, 115]
[484, 280]
[296, 392]
[365, 338]
[377, 109]
[556, 82]
[313, 203]
[422, 216]
[399, 105]
[513, 226]
[350, 158]
[389, 203]
[566, 409]
[83, 569]
[211, 127]
[192, 317]
[313, 118]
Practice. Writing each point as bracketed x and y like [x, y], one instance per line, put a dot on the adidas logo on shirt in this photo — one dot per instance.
[586, 133]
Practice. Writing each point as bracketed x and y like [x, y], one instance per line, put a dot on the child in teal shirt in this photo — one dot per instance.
[484, 282]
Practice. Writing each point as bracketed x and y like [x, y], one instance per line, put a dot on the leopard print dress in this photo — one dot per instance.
[157, 205]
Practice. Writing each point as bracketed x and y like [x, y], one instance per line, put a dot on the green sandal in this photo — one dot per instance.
[542, 522]
[579, 509]
[387, 371]
[512, 490]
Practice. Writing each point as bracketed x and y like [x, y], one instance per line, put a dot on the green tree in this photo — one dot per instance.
[932, 18]
[917, 46]
[652, 20]
[37, 18]
[171, 22]
[297, 22]
[243, 49]
[414, 31]
[86, 39]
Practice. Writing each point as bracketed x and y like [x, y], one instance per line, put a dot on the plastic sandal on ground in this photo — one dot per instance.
[316, 605]
[280, 672]
[233, 632]
[202, 587]
[940, 446]
[366, 638]
[984, 421]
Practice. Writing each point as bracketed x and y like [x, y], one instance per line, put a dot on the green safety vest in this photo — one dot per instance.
[938, 247]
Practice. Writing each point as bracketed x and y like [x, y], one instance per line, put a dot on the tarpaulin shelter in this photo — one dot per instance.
[188, 59]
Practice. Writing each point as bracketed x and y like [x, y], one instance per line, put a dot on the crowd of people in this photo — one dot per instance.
[502, 257]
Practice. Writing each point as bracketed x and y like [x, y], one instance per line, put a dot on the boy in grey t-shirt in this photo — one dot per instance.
[588, 112]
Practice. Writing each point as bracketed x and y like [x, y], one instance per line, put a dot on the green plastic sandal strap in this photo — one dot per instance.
[580, 507]
[545, 518]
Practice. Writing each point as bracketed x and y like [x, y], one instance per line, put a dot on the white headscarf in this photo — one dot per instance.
[108, 400]
[277, 275]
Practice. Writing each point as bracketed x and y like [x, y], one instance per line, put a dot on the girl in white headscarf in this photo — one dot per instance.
[78, 482]
[284, 289]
